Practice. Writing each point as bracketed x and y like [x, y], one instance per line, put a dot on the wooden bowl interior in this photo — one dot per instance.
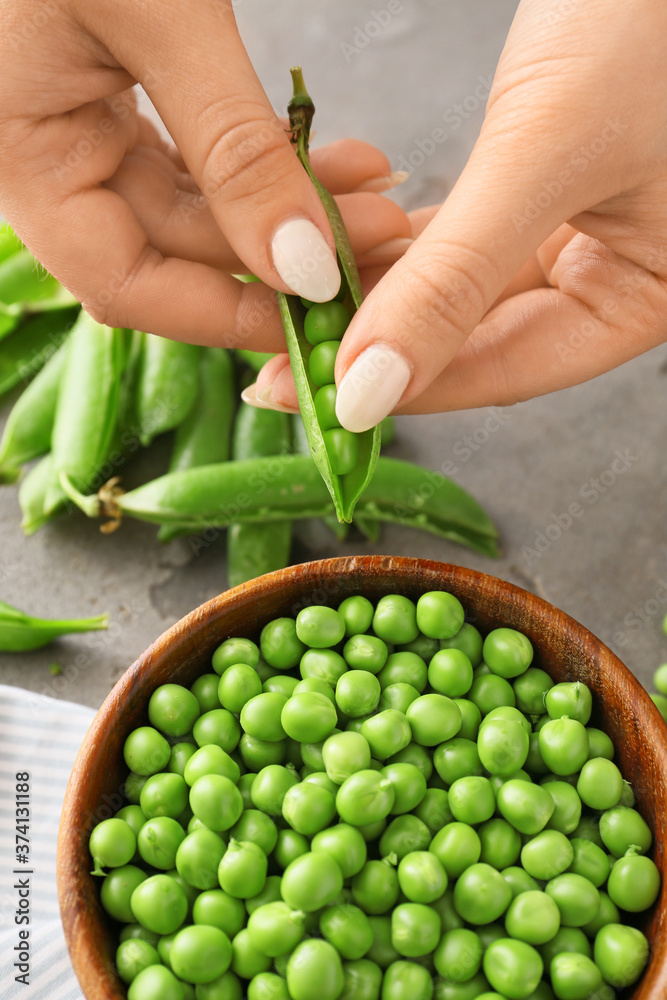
[563, 647]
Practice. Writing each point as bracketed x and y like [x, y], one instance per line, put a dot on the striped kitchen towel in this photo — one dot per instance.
[39, 739]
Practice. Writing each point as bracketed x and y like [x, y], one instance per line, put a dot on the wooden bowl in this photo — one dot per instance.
[562, 646]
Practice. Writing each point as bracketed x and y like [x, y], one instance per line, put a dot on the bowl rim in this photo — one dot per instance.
[91, 971]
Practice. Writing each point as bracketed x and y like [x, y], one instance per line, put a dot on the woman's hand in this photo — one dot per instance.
[547, 265]
[147, 234]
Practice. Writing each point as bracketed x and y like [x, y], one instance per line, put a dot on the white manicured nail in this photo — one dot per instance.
[376, 185]
[263, 400]
[304, 260]
[372, 387]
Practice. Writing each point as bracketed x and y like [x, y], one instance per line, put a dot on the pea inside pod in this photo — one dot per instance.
[345, 460]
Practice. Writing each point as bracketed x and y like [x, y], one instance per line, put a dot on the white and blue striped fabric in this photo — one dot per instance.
[39, 735]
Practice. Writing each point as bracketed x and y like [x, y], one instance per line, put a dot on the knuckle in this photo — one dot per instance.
[247, 157]
[112, 302]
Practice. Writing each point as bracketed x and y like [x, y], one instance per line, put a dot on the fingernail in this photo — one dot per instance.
[376, 185]
[304, 260]
[262, 400]
[390, 250]
[372, 387]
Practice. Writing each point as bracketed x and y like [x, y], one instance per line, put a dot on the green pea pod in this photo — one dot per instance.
[32, 495]
[204, 437]
[255, 549]
[20, 632]
[168, 385]
[87, 407]
[339, 528]
[27, 349]
[25, 287]
[346, 489]
[27, 432]
[289, 487]
[9, 241]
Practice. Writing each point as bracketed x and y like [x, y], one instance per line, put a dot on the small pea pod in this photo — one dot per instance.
[20, 632]
[87, 407]
[289, 487]
[25, 351]
[32, 495]
[168, 384]
[25, 287]
[255, 549]
[27, 432]
[204, 437]
[345, 487]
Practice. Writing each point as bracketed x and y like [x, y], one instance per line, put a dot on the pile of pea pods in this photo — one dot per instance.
[94, 396]
[375, 802]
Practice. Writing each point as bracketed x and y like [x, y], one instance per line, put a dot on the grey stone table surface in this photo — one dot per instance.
[576, 481]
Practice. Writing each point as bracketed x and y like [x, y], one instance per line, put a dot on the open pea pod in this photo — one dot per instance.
[345, 489]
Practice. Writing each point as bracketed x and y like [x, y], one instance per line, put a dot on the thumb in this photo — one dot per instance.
[194, 67]
[506, 202]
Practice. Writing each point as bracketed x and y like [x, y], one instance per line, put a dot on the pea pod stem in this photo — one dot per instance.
[288, 487]
[20, 632]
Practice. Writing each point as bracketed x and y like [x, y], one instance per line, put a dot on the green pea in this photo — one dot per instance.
[404, 668]
[267, 986]
[261, 716]
[362, 980]
[472, 800]
[308, 717]
[622, 828]
[415, 929]
[270, 787]
[513, 968]
[471, 718]
[423, 646]
[526, 806]
[416, 755]
[489, 691]
[563, 745]
[398, 697]
[358, 693]
[366, 652]
[117, 889]
[433, 718]
[238, 684]
[200, 954]
[566, 939]
[409, 786]
[422, 877]
[344, 844]
[173, 709]
[469, 640]
[458, 955]
[256, 753]
[280, 644]
[218, 726]
[247, 961]
[375, 888]
[600, 784]
[434, 810]
[590, 861]
[210, 759]
[344, 754]
[216, 801]
[160, 904]
[404, 834]
[236, 650]
[146, 751]
[164, 795]
[348, 929]
[599, 744]
[312, 881]
[458, 846]
[308, 808]
[289, 846]
[507, 652]
[133, 816]
[244, 785]
[365, 797]
[634, 883]
[589, 829]
[242, 870]
[325, 407]
[567, 806]
[481, 894]
[395, 619]
[205, 690]
[620, 952]
[322, 362]
[112, 844]
[546, 855]
[343, 450]
[518, 880]
[159, 840]
[325, 664]
[439, 614]
[320, 627]
[179, 756]
[530, 689]
[577, 899]
[574, 977]
[357, 612]
[218, 909]
[133, 956]
[315, 969]
[325, 321]
[450, 673]
[275, 929]
[155, 983]
[382, 951]
[569, 698]
[608, 913]
[503, 746]
[407, 981]
[501, 843]
[258, 827]
[387, 733]
[269, 893]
